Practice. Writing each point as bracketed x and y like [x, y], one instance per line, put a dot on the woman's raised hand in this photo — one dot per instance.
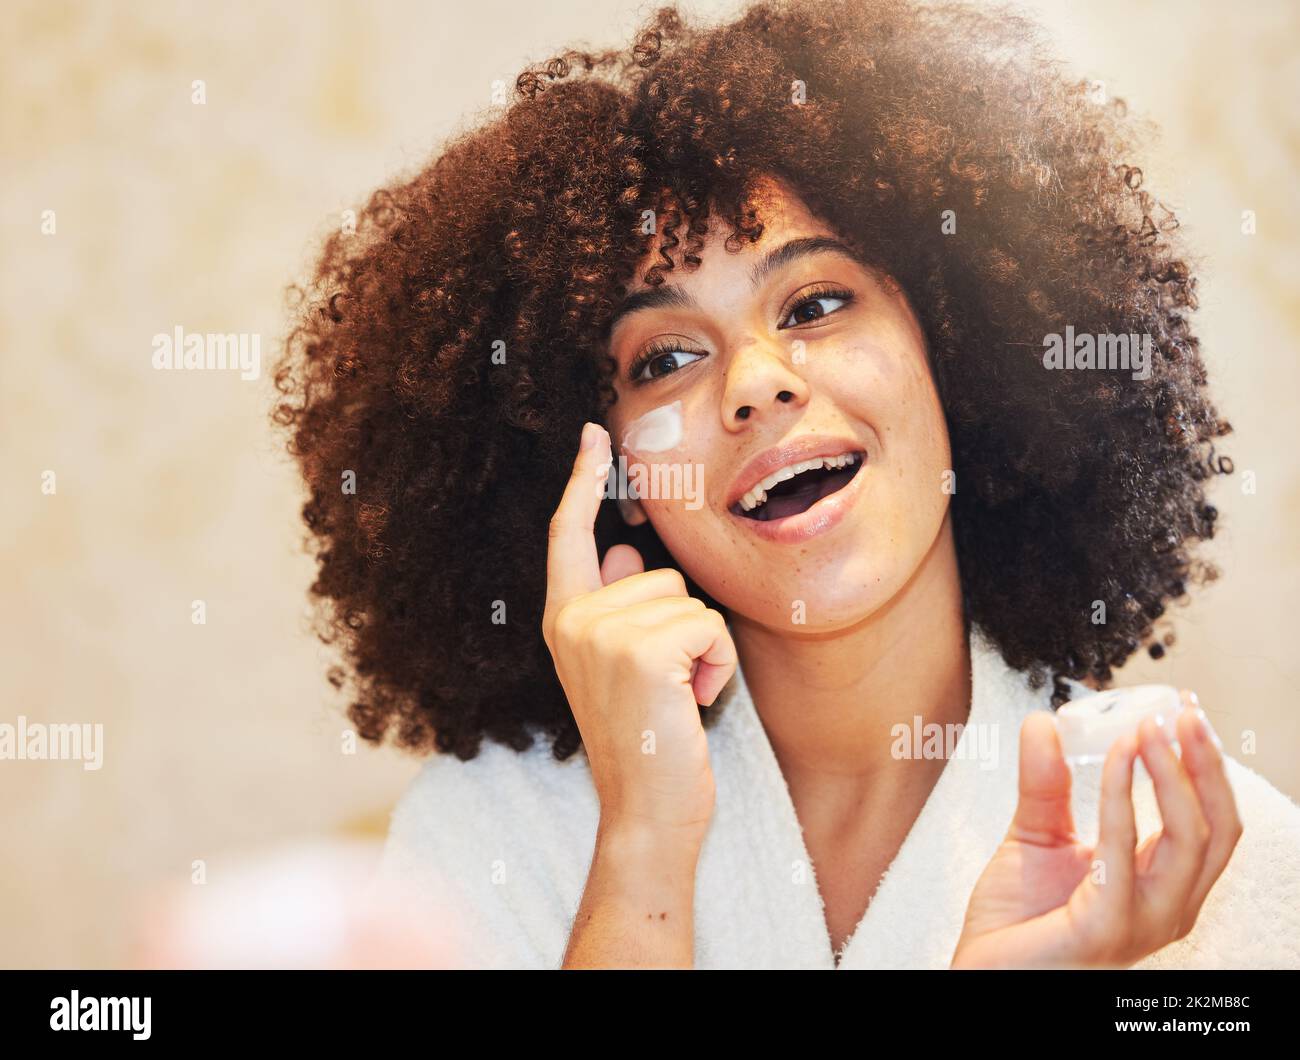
[1047, 901]
[635, 655]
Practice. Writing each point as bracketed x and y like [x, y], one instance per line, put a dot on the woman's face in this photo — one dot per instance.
[787, 353]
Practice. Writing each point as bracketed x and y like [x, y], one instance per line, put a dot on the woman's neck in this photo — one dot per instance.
[829, 702]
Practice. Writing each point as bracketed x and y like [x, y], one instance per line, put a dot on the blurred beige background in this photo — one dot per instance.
[223, 739]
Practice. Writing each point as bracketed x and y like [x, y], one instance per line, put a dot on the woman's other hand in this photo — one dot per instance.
[1047, 901]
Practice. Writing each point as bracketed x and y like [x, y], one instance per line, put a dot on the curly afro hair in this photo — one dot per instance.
[446, 353]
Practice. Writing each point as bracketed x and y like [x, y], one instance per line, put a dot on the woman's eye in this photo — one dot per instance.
[662, 363]
[800, 313]
[661, 360]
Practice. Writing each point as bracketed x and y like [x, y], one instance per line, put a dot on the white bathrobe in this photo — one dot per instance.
[497, 850]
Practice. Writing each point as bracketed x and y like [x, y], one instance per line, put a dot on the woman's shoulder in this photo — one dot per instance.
[1251, 917]
[494, 798]
[497, 848]
[497, 774]
[1270, 836]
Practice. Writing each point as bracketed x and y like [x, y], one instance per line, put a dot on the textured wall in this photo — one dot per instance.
[223, 738]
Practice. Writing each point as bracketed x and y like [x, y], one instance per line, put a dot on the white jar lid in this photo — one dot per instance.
[1088, 726]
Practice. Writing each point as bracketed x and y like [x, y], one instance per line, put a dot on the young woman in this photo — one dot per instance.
[799, 272]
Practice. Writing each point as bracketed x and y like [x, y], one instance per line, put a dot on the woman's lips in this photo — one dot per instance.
[796, 495]
[818, 518]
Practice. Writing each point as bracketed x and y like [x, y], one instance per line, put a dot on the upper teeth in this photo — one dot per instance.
[758, 495]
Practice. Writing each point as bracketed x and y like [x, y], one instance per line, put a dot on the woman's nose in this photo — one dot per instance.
[760, 379]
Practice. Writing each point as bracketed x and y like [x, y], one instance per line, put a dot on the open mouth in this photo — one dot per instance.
[799, 488]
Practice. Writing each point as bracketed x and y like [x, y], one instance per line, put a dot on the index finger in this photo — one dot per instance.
[572, 564]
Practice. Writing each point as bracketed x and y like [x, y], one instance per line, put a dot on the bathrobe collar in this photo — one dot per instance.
[915, 916]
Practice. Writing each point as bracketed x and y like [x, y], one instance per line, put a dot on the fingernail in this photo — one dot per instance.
[1163, 728]
[588, 435]
[1207, 730]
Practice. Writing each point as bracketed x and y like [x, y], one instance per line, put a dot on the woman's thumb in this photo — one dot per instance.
[620, 562]
[1043, 812]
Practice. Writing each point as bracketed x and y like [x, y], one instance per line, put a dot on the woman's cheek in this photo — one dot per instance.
[661, 430]
[705, 553]
[657, 451]
[862, 366]
[888, 386]
[930, 479]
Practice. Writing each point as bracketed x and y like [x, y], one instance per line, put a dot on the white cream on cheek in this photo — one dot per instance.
[656, 432]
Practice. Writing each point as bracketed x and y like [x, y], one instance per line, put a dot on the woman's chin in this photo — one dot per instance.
[802, 612]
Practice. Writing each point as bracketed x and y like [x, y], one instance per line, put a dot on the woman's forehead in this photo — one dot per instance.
[784, 216]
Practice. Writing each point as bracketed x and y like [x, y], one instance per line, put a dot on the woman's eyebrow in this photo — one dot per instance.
[671, 296]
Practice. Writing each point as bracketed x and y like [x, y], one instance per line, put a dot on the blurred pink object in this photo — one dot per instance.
[308, 904]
